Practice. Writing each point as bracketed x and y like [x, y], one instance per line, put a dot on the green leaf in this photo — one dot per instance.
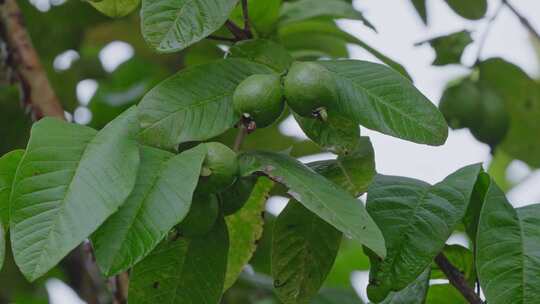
[69, 181]
[508, 250]
[381, 99]
[337, 134]
[195, 104]
[462, 258]
[412, 294]
[194, 270]
[420, 7]
[115, 8]
[304, 248]
[292, 34]
[353, 172]
[473, 10]
[2, 245]
[317, 194]
[350, 258]
[444, 294]
[449, 48]
[521, 96]
[161, 199]
[307, 9]
[470, 220]
[263, 51]
[337, 296]
[8, 167]
[173, 25]
[416, 220]
[245, 229]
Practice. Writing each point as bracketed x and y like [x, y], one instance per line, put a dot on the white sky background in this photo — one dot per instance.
[399, 28]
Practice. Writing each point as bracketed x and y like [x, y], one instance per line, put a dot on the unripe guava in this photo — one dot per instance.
[494, 121]
[259, 98]
[308, 88]
[219, 170]
[201, 217]
[461, 105]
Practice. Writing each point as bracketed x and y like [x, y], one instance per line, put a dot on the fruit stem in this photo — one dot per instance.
[247, 26]
[240, 136]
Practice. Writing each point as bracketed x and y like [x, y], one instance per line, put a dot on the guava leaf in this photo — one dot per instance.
[354, 171]
[183, 270]
[412, 294]
[449, 48]
[381, 99]
[2, 245]
[69, 181]
[416, 220]
[337, 134]
[420, 7]
[473, 10]
[115, 8]
[245, 229]
[337, 295]
[304, 248]
[262, 51]
[173, 25]
[160, 200]
[508, 250]
[318, 195]
[8, 167]
[195, 104]
[307, 9]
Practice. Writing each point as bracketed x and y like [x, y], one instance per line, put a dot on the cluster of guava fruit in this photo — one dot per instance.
[307, 88]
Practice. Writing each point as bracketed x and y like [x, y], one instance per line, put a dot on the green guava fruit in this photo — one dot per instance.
[461, 105]
[494, 121]
[219, 169]
[309, 88]
[260, 99]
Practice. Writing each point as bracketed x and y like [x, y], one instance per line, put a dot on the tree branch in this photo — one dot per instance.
[247, 25]
[522, 19]
[238, 32]
[120, 290]
[220, 38]
[457, 279]
[24, 60]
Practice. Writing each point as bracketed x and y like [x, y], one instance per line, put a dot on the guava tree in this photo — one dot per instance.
[161, 197]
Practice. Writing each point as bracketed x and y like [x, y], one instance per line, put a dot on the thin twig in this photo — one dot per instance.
[220, 38]
[24, 60]
[483, 39]
[245, 13]
[237, 32]
[121, 286]
[240, 137]
[457, 279]
[522, 19]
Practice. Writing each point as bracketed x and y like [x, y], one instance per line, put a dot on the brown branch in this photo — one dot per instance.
[121, 285]
[457, 279]
[247, 25]
[522, 19]
[240, 137]
[25, 62]
[220, 38]
[237, 32]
